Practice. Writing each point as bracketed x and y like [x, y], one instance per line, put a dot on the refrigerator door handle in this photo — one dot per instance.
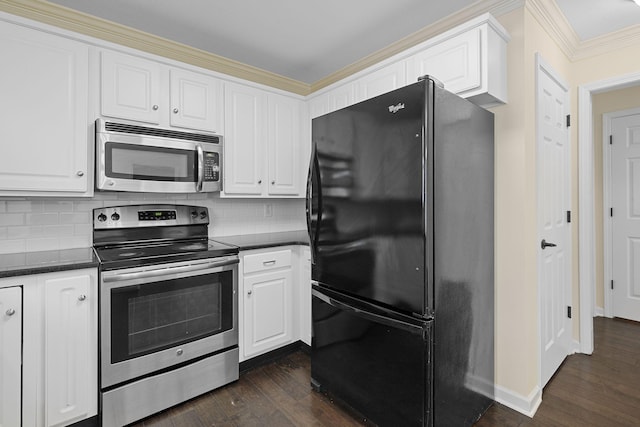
[370, 315]
[314, 170]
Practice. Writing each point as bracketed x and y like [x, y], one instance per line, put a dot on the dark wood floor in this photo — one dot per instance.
[599, 390]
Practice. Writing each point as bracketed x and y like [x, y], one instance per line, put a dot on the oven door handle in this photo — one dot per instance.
[164, 271]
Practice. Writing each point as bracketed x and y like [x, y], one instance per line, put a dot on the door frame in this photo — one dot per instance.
[606, 204]
[586, 206]
[542, 67]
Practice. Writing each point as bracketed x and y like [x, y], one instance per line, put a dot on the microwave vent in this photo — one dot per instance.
[159, 132]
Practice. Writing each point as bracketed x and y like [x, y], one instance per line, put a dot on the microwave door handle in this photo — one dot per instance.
[200, 167]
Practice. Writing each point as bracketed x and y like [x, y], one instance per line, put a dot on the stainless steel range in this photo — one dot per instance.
[168, 309]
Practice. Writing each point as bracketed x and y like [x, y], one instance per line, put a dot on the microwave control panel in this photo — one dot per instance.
[211, 166]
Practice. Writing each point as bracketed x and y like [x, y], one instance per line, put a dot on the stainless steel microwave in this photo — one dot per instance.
[156, 160]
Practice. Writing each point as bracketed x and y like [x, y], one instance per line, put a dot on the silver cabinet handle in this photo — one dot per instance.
[259, 181]
[80, 173]
[249, 293]
[155, 107]
[179, 352]
[273, 183]
[10, 312]
[269, 263]
[82, 297]
[175, 111]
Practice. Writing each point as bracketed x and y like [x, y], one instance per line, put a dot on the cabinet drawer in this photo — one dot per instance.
[267, 261]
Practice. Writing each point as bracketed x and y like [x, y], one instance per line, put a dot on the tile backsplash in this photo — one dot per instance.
[39, 224]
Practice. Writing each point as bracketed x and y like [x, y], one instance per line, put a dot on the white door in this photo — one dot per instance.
[267, 311]
[284, 146]
[43, 106]
[625, 222]
[554, 230]
[10, 356]
[196, 101]
[245, 140]
[130, 88]
[69, 396]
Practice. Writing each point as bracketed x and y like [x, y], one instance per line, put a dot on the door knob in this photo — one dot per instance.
[544, 244]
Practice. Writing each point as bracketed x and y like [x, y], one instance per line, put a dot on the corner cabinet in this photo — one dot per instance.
[262, 144]
[266, 320]
[142, 90]
[10, 356]
[44, 132]
[60, 346]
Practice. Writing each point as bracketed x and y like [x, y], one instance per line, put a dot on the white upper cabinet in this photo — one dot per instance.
[262, 156]
[245, 140]
[130, 88]
[142, 90]
[44, 133]
[196, 101]
[470, 60]
[454, 62]
[381, 81]
[284, 146]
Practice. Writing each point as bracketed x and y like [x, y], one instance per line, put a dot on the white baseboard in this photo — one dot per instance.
[527, 405]
[598, 312]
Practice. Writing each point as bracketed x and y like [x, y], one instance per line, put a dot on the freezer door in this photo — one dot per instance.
[366, 200]
[375, 361]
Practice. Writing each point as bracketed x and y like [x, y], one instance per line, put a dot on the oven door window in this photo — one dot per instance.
[142, 162]
[154, 316]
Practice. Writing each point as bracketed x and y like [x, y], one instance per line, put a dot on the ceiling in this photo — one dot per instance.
[307, 40]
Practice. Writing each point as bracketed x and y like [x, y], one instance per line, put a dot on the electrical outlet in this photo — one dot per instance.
[268, 210]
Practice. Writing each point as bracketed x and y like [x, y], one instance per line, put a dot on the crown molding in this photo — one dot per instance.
[68, 19]
[553, 21]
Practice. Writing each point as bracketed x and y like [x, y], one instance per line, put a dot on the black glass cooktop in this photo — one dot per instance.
[129, 255]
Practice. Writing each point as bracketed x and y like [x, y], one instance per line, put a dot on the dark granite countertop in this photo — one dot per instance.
[266, 240]
[20, 264]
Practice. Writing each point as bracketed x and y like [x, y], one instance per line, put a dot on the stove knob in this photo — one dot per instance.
[194, 214]
[115, 216]
[203, 214]
[102, 217]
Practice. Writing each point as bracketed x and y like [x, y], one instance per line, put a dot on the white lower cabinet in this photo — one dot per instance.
[304, 288]
[70, 386]
[266, 301]
[10, 356]
[58, 383]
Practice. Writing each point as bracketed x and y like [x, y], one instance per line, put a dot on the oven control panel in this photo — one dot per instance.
[149, 215]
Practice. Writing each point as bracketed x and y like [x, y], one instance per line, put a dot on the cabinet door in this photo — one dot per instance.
[245, 139]
[130, 88]
[284, 146]
[196, 101]
[267, 311]
[69, 371]
[384, 80]
[455, 62]
[44, 92]
[10, 356]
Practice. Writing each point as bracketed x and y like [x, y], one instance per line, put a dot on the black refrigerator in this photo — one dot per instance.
[400, 219]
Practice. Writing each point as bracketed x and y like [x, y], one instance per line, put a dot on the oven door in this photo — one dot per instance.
[159, 316]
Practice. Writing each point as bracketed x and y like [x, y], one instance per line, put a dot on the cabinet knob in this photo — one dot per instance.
[273, 183]
[249, 293]
[175, 111]
[80, 173]
[155, 107]
[179, 352]
[82, 297]
[10, 312]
